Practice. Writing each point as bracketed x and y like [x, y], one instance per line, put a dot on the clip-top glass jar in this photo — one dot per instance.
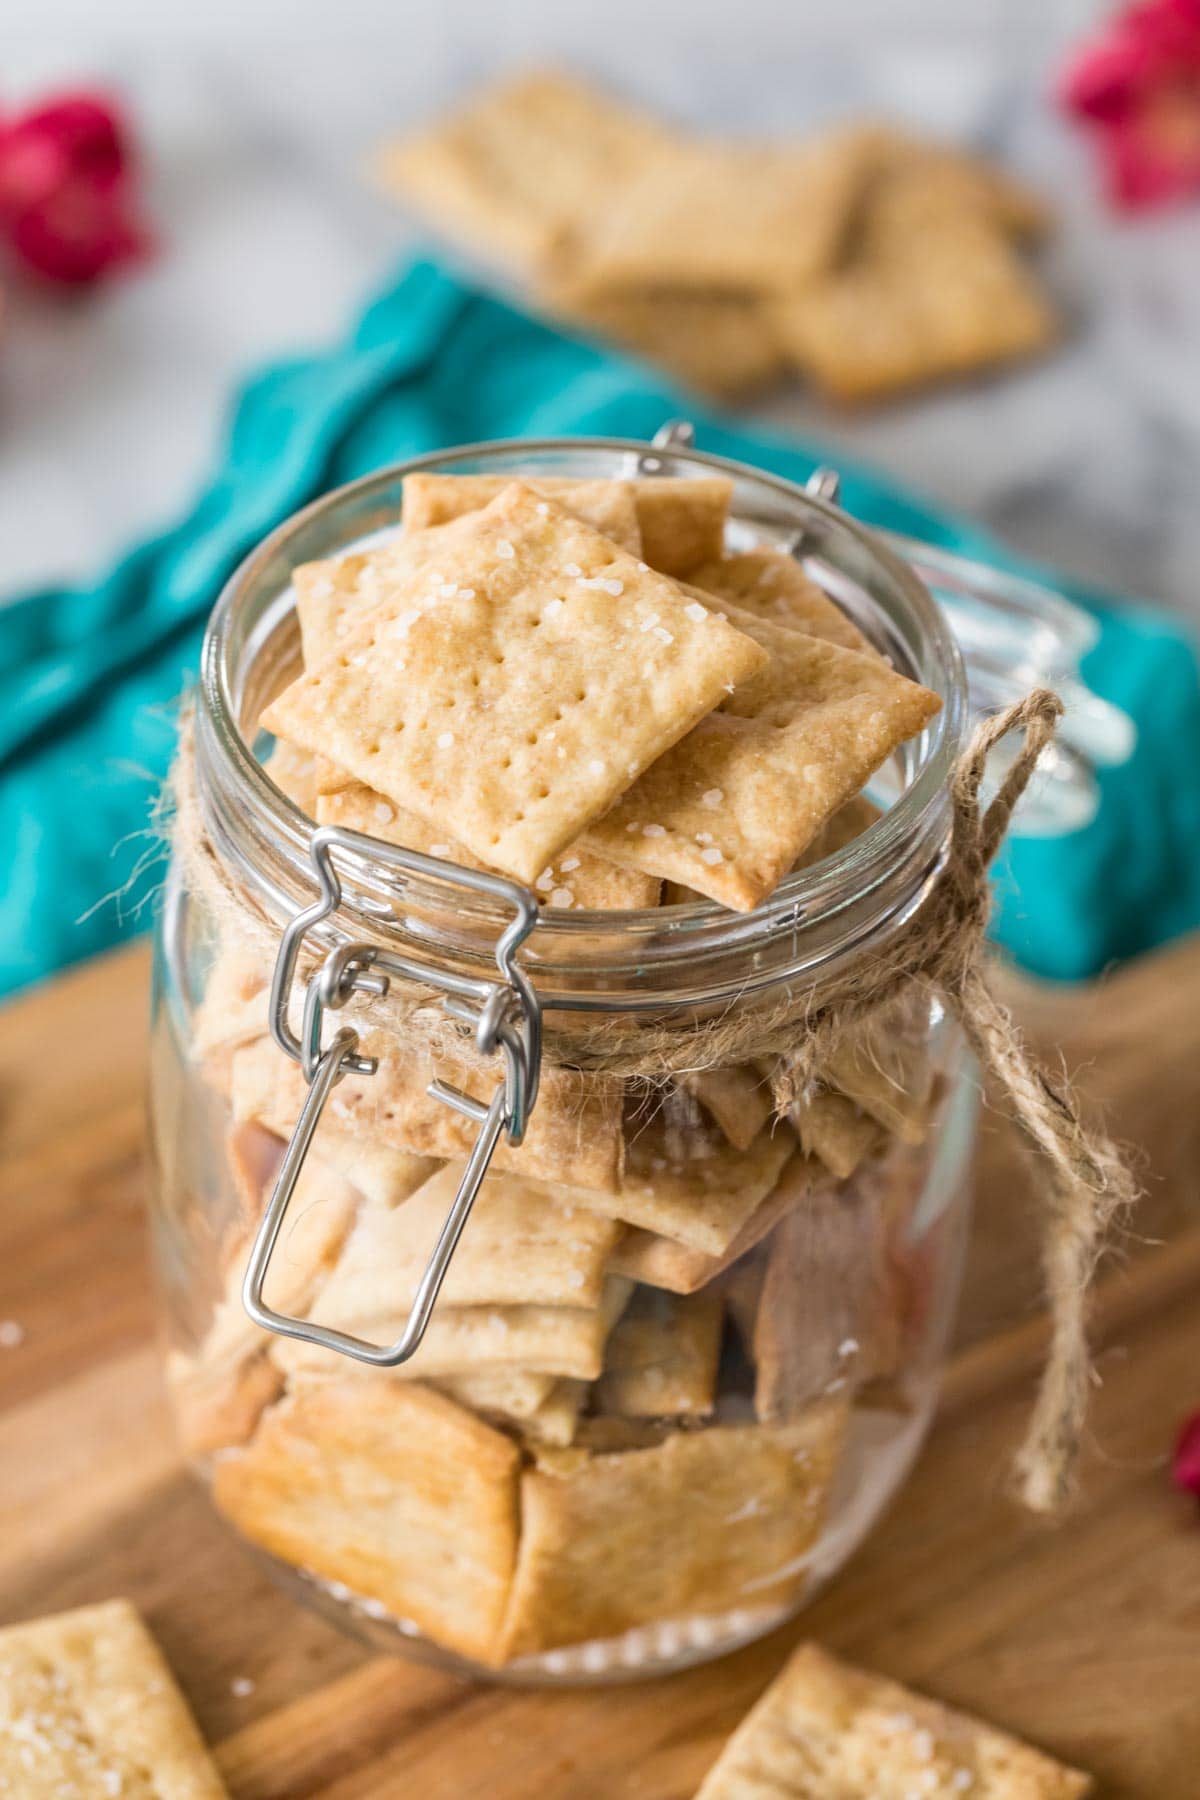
[649, 1416]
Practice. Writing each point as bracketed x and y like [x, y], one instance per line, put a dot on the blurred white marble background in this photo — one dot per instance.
[257, 115]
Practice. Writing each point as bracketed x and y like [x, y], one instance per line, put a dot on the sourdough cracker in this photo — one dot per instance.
[773, 586]
[544, 1409]
[576, 880]
[466, 1340]
[88, 1706]
[520, 702]
[574, 1130]
[884, 1067]
[835, 1131]
[717, 343]
[825, 1728]
[731, 807]
[294, 773]
[699, 1194]
[703, 1522]
[736, 1098]
[829, 1312]
[661, 1262]
[517, 168]
[233, 1010]
[661, 1360]
[393, 1490]
[681, 518]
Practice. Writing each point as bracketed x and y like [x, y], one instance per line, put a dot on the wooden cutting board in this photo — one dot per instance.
[1085, 1638]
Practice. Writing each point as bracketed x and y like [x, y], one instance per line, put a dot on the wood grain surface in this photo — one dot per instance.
[1084, 1637]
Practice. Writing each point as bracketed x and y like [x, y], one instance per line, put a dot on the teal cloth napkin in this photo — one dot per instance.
[89, 676]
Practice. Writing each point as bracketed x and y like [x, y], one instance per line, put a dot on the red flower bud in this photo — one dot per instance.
[1136, 87]
[1186, 1467]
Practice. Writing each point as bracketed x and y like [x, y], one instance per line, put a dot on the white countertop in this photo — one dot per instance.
[257, 119]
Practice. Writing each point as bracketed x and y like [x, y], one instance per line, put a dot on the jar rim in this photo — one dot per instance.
[814, 918]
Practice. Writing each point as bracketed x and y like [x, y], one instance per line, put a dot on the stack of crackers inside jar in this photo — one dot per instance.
[635, 1394]
[863, 259]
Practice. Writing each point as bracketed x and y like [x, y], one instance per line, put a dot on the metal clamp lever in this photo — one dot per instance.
[505, 1016]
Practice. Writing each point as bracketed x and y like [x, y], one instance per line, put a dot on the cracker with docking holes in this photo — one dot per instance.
[774, 586]
[825, 1728]
[661, 1360]
[464, 1340]
[515, 170]
[523, 702]
[681, 518]
[393, 1490]
[88, 1706]
[662, 1262]
[574, 1133]
[700, 1523]
[732, 806]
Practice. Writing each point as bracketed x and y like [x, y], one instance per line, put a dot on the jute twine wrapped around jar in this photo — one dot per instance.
[941, 951]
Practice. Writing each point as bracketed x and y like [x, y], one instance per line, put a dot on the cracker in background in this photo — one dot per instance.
[88, 1706]
[774, 586]
[824, 1728]
[515, 170]
[720, 344]
[661, 1360]
[520, 703]
[701, 1523]
[574, 1133]
[953, 300]
[681, 518]
[731, 807]
[391, 1489]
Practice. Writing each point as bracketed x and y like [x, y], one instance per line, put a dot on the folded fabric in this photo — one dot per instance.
[89, 677]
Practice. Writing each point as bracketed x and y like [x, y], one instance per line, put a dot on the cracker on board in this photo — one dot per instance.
[522, 703]
[574, 1133]
[517, 168]
[725, 217]
[661, 1262]
[391, 1489]
[88, 1706]
[465, 1340]
[952, 300]
[661, 1360]
[824, 1727]
[520, 1246]
[681, 518]
[736, 1098]
[732, 806]
[774, 586]
[576, 880]
[704, 1522]
[829, 1312]
[717, 343]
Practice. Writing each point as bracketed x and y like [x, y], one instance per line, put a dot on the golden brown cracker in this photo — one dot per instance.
[736, 1098]
[775, 587]
[661, 1359]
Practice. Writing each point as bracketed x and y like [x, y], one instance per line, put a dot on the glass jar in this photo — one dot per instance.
[618, 1451]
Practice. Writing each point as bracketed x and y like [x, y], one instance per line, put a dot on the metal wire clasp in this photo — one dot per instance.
[504, 1015]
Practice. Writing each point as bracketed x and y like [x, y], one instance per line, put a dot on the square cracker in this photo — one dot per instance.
[661, 1262]
[824, 1728]
[949, 301]
[88, 1707]
[661, 1360]
[774, 586]
[835, 1131]
[543, 1408]
[577, 880]
[392, 1489]
[729, 809]
[681, 518]
[726, 217]
[721, 344]
[736, 1098]
[465, 1340]
[520, 1247]
[331, 594]
[515, 170]
[704, 1522]
[459, 708]
[574, 1131]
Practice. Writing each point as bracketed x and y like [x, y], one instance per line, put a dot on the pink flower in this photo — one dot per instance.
[1186, 1467]
[68, 205]
[1136, 87]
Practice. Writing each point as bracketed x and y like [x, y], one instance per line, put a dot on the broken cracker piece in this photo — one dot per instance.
[703, 1522]
[88, 1706]
[458, 708]
[390, 1489]
[825, 1728]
